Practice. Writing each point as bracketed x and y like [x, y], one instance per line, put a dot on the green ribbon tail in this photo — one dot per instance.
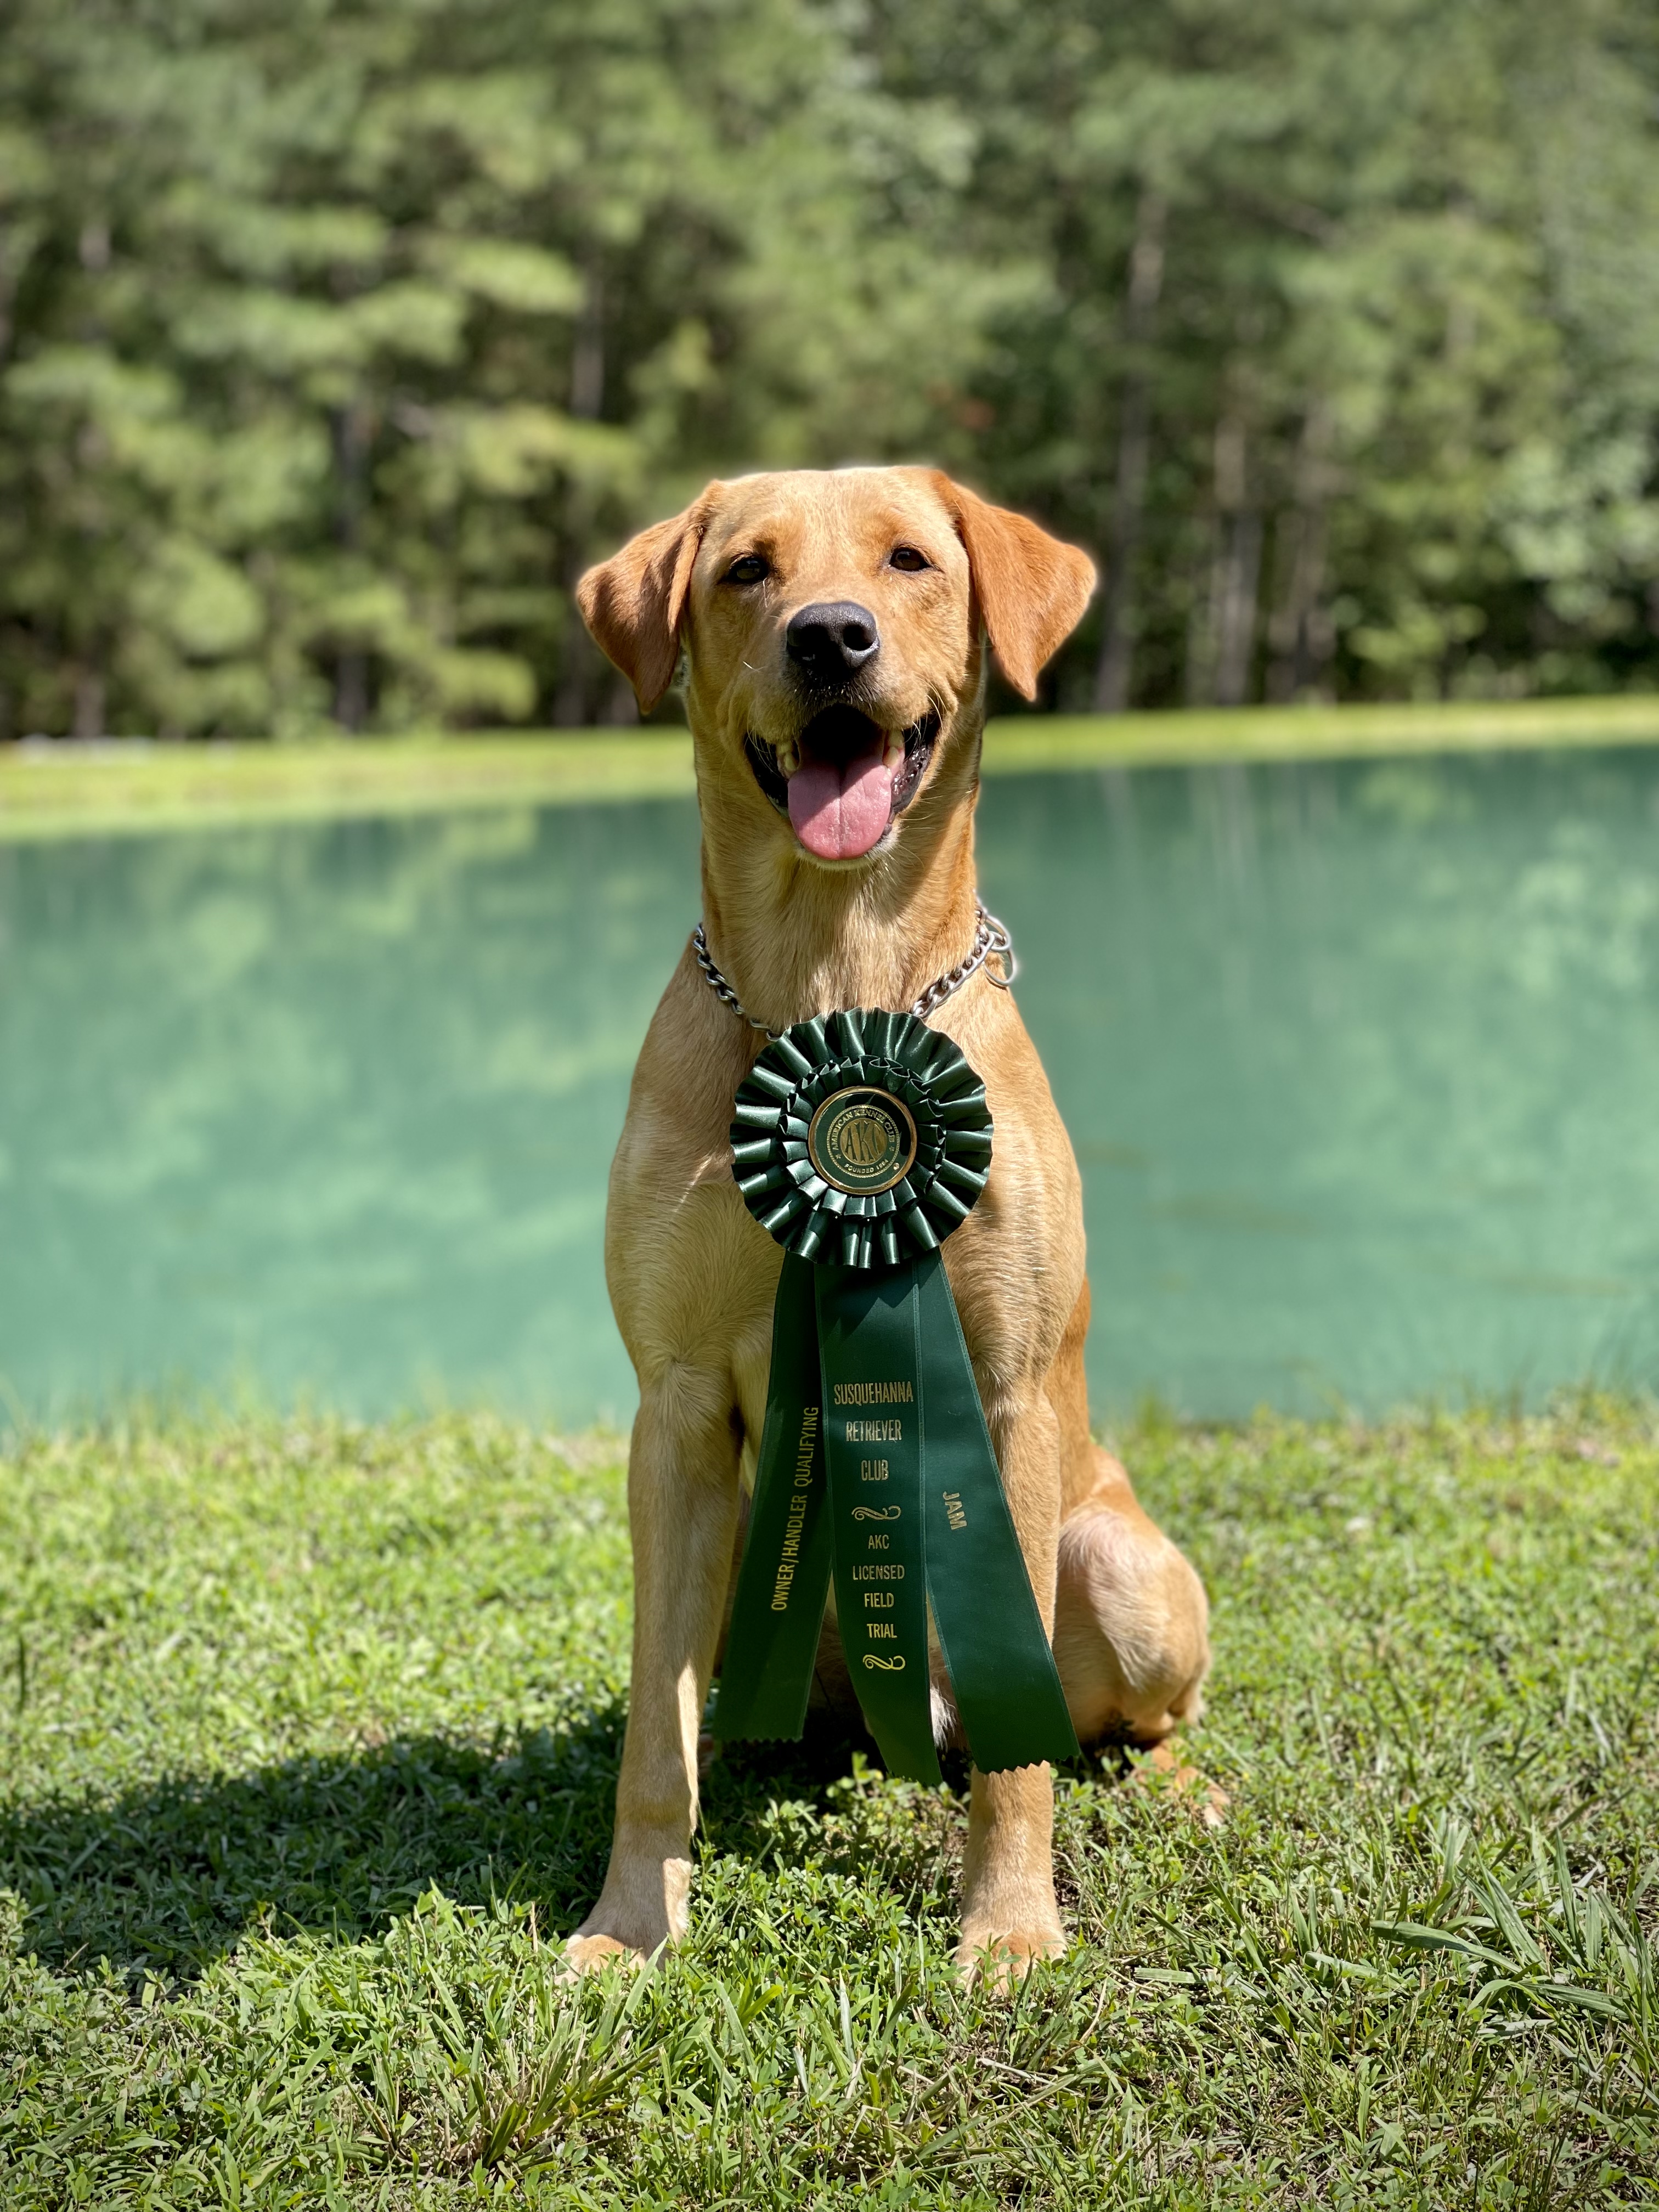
[784, 1579]
[876, 1463]
[1007, 1688]
[868, 1346]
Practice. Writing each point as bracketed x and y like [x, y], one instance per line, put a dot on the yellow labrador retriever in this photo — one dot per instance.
[834, 629]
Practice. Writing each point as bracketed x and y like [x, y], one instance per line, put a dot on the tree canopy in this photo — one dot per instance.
[336, 336]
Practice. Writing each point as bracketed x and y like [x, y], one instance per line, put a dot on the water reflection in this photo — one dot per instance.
[327, 1111]
[1360, 1063]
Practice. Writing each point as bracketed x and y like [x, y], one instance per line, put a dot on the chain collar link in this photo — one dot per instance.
[991, 941]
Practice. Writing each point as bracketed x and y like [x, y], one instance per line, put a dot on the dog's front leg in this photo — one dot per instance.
[1009, 1912]
[682, 1513]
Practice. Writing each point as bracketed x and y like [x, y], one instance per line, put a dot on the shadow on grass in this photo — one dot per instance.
[168, 1878]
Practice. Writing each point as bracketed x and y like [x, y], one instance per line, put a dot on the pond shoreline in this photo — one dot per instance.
[61, 788]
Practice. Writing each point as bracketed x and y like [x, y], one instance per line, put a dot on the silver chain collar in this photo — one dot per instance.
[991, 940]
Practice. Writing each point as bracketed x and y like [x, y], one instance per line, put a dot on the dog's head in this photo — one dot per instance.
[832, 625]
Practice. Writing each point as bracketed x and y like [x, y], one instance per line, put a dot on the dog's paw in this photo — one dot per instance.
[997, 1958]
[644, 1905]
[1166, 1769]
[592, 1954]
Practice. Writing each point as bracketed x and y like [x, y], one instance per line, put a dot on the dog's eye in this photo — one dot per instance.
[747, 569]
[906, 557]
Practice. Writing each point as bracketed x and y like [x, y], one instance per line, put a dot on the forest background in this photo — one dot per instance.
[336, 336]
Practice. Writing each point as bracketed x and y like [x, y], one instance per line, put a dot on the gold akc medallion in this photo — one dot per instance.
[862, 1141]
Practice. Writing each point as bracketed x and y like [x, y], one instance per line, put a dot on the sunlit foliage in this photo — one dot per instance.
[335, 339]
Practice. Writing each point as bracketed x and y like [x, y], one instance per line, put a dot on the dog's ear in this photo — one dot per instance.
[1031, 589]
[632, 603]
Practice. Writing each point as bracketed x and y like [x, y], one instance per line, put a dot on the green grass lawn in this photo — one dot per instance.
[307, 1738]
[55, 791]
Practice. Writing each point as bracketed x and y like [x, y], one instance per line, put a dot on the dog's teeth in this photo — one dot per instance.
[787, 756]
[892, 753]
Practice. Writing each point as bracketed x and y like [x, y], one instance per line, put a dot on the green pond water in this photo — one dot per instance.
[1361, 1063]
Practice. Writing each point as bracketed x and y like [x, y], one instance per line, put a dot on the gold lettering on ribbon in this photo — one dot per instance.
[874, 1394]
[953, 1508]
[805, 1444]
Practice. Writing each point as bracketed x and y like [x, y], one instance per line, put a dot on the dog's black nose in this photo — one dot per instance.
[832, 640]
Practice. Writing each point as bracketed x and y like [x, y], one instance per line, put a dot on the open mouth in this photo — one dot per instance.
[845, 779]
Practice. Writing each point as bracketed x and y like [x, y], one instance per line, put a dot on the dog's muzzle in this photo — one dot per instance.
[851, 779]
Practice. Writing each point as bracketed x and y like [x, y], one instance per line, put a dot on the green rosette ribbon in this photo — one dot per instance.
[860, 1141]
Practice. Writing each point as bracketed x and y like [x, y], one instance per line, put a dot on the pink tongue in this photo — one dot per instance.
[840, 812]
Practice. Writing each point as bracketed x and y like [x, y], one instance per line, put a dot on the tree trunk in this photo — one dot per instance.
[89, 703]
[578, 660]
[587, 354]
[1221, 640]
[1300, 635]
[1115, 668]
[351, 441]
[351, 688]
[1240, 569]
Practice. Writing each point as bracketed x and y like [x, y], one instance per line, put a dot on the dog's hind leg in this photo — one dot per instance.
[682, 1513]
[1131, 1619]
